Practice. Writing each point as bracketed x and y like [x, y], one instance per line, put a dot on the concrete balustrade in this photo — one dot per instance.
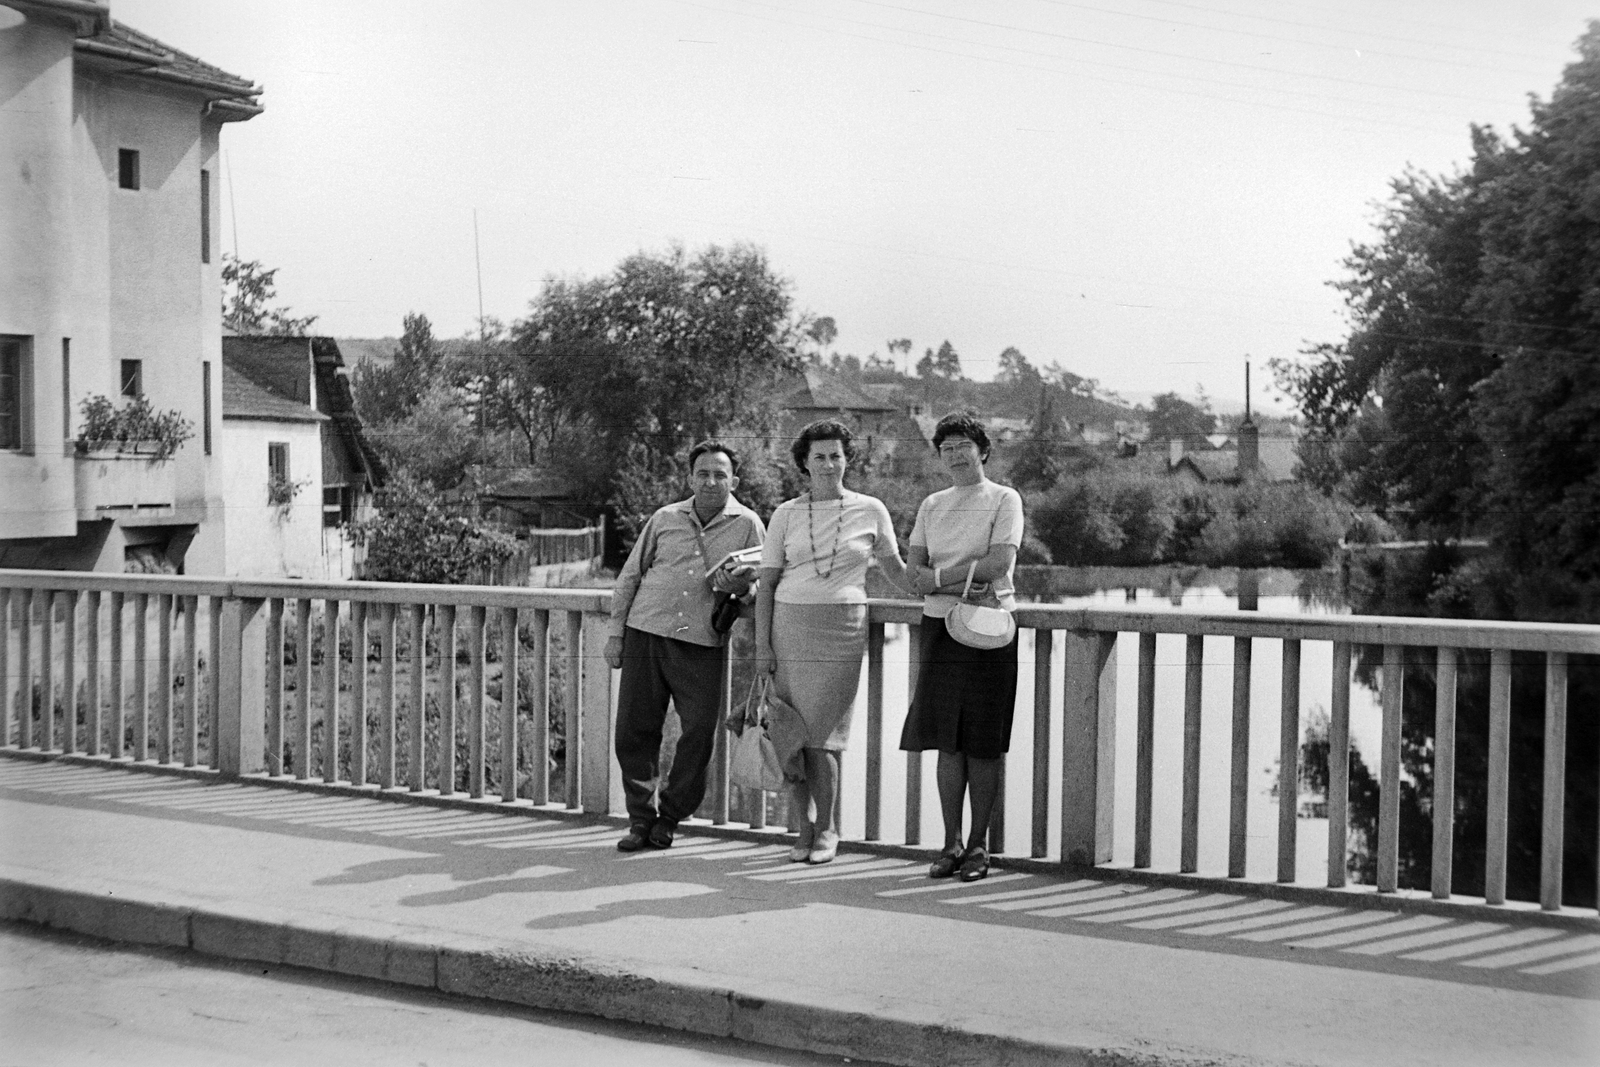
[229, 681]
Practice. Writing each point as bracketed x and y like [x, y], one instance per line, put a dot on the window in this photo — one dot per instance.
[66, 388]
[332, 505]
[127, 168]
[205, 219]
[205, 404]
[13, 392]
[280, 490]
[133, 377]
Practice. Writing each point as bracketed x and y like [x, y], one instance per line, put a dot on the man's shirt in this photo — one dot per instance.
[663, 588]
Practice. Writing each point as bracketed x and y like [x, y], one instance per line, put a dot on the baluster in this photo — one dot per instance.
[1339, 765]
[1499, 770]
[5, 666]
[386, 695]
[510, 658]
[302, 687]
[330, 691]
[1393, 697]
[997, 820]
[91, 713]
[539, 707]
[164, 679]
[477, 646]
[1088, 748]
[119, 694]
[1444, 772]
[69, 672]
[874, 789]
[25, 669]
[1289, 762]
[47, 674]
[141, 676]
[1555, 779]
[602, 790]
[191, 680]
[1144, 755]
[417, 718]
[913, 759]
[214, 684]
[1194, 665]
[573, 695]
[358, 692]
[1239, 776]
[1043, 650]
[275, 686]
[445, 628]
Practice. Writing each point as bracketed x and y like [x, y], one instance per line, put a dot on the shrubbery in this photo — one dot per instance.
[1132, 519]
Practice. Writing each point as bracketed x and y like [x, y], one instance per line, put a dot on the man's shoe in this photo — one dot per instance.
[638, 837]
[661, 833]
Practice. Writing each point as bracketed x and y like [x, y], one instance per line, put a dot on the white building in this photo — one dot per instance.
[297, 470]
[110, 285]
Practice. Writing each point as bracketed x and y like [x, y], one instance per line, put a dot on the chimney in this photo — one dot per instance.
[1174, 451]
[1249, 435]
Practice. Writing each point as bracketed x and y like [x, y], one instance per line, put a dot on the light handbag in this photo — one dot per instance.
[755, 762]
[977, 626]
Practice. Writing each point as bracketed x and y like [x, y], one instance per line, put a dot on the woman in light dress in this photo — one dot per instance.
[964, 698]
[811, 617]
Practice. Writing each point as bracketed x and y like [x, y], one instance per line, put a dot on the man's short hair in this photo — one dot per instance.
[962, 424]
[713, 445]
[822, 430]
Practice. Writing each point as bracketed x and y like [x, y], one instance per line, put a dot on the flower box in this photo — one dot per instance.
[134, 481]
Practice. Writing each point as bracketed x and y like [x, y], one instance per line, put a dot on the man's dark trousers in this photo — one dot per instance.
[654, 669]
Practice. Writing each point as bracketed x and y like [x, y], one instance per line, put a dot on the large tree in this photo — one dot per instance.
[1466, 397]
[609, 378]
[248, 288]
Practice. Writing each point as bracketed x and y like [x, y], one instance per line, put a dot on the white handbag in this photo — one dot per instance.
[977, 626]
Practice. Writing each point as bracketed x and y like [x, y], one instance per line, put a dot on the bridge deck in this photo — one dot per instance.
[864, 957]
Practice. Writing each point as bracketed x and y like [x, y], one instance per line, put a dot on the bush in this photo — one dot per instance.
[415, 538]
[1106, 519]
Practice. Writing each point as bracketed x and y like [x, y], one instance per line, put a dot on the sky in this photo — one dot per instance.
[1149, 193]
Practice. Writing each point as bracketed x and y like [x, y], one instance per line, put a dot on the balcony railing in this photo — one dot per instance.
[480, 692]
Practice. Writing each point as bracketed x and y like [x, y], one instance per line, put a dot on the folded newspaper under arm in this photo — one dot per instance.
[742, 558]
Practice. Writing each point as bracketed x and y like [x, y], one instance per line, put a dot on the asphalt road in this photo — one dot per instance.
[79, 1002]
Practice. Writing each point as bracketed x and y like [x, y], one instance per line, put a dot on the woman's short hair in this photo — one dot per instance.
[822, 430]
[962, 424]
[714, 445]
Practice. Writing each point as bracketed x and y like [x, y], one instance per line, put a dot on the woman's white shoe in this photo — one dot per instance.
[826, 847]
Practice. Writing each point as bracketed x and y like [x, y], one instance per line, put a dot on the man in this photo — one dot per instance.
[662, 639]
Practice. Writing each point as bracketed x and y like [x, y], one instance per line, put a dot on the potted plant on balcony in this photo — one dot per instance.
[135, 428]
[122, 456]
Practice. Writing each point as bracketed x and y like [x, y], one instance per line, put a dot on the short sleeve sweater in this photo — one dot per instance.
[823, 547]
[962, 523]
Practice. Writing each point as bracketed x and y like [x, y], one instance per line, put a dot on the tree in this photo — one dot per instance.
[610, 378]
[247, 289]
[386, 393]
[1171, 417]
[415, 537]
[1466, 396]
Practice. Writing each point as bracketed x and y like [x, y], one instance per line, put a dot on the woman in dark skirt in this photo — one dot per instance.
[964, 697]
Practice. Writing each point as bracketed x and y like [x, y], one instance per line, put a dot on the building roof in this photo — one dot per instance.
[244, 399]
[821, 390]
[125, 52]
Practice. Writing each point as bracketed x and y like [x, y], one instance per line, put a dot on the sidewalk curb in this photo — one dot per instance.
[467, 966]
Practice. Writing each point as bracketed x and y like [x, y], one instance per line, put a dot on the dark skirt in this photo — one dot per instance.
[965, 697]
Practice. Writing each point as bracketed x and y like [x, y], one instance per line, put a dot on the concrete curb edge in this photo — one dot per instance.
[475, 968]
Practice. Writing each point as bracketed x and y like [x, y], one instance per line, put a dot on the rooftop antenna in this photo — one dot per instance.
[483, 335]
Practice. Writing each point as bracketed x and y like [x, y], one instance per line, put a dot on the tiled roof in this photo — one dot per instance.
[244, 399]
[821, 390]
[144, 57]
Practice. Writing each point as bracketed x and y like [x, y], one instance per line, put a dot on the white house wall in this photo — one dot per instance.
[267, 540]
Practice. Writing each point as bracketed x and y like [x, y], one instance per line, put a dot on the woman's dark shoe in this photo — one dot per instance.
[974, 864]
[948, 863]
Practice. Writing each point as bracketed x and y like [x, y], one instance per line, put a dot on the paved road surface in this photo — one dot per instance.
[70, 1001]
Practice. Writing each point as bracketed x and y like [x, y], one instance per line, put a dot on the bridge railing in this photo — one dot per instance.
[485, 692]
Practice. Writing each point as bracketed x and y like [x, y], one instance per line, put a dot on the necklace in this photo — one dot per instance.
[811, 527]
